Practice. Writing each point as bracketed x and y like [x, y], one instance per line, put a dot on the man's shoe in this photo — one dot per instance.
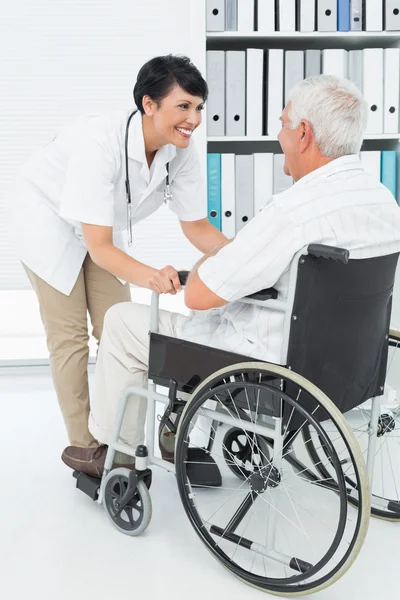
[201, 468]
[166, 442]
[89, 460]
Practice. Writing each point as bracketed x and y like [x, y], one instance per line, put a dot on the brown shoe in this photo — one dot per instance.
[89, 460]
[166, 443]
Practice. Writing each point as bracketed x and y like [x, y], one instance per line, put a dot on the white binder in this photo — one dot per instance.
[306, 15]
[281, 181]
[216, 99]
[391, 80]
[371, 162]
[373, 88]
[235, 92]
[254, 92]
[244, 197]
[266, 16]
[245, 16]
[356, 68]
[356, 15]
[335, 62]
[294, 69]
[373, 15]
[228, 223]
[274, 91]
[263, 179]
[231, 16]
[312, 63]
[392, 15]
[327, 15]
[287, 15]
[215, 15]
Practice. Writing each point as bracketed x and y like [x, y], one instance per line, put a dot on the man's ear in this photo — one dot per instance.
[306, 135]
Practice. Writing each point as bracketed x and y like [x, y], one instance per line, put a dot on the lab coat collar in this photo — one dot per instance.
[136, 151]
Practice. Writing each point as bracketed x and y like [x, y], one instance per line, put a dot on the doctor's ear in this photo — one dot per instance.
[149, 106]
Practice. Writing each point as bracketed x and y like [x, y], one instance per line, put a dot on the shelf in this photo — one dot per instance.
[304, 34]
[267, 138]
[317, 39]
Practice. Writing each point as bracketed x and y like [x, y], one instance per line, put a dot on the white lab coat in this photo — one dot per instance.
[79, 177]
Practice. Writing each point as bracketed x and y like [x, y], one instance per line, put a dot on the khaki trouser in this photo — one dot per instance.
[66, 325]
[122, 361]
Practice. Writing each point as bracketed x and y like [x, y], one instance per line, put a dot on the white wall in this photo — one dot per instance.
[61, 59]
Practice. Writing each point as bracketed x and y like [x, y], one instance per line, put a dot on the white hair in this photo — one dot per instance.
[336, 110]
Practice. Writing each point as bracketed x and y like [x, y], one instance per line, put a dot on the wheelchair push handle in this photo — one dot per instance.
[322, 251]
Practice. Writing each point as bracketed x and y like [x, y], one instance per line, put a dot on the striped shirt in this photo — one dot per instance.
[338, 204]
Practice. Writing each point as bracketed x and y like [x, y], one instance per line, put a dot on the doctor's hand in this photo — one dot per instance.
[165, 281]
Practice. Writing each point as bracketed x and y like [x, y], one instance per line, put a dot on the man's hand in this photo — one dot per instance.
[165, 281]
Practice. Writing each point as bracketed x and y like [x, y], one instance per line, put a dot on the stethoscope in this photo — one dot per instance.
[167, 191]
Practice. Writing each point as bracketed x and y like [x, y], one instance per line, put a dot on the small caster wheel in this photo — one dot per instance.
[135, 516]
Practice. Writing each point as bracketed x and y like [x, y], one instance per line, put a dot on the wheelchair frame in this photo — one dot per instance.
[152, 396]
[270, 428]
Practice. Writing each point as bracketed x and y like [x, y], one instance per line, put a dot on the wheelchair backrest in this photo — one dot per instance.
[339, 326]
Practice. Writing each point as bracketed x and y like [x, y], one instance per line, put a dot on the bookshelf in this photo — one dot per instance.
[233, 40]
[367, 37]
[267, 138]
[352, 40]
[260, 143]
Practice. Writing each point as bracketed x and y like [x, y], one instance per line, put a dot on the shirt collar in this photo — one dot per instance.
[136, 149]
[343, 163]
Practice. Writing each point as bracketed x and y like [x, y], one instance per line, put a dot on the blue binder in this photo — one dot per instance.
[389, 170]
[214, 189]
[343, 15]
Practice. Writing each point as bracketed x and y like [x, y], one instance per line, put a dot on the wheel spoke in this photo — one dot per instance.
[297, 516]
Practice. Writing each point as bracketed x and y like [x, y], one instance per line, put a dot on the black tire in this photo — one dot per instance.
[224, 389]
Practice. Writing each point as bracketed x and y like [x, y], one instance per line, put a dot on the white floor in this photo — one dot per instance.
[56, 544]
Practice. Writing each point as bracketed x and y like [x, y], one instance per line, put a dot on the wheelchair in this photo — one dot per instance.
[278, 467]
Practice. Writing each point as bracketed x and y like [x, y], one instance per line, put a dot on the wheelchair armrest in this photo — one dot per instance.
[267, 294]
[321, 251]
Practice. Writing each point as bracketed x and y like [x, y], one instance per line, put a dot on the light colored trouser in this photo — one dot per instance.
[66, 325]
[122, 361]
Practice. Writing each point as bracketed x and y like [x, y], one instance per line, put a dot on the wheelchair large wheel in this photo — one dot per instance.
[133, 518]
[282, 528]
[385, 489]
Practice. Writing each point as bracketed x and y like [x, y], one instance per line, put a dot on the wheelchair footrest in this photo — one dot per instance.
[87, 484]
[201, 469]
[394, 506]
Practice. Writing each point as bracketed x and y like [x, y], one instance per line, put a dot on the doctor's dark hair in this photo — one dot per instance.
[159, 75]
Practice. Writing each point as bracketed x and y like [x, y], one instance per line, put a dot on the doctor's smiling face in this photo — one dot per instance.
[171, 120]
[170, 92]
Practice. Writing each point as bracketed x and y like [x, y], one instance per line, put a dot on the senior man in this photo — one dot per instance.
[333, 201]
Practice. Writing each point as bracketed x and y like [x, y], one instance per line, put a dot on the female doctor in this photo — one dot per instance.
[76, 195]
